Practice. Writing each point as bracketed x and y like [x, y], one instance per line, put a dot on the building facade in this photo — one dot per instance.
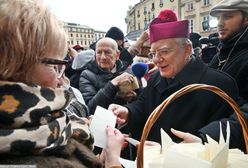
[139, 16]
[196, 11]
[99, 34]
[81, 34]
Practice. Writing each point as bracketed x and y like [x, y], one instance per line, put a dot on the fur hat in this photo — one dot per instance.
[83, 58]
[230, 5]
[115, 33]
[166, 25]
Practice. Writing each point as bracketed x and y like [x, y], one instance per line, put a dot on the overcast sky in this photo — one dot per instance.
[98, 14]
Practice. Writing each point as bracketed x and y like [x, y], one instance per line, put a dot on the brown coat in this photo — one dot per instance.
[73, 155]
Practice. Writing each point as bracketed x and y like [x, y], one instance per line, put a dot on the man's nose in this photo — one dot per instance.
[220, 23]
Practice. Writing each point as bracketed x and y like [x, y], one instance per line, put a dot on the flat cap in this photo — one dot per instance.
[230, 5]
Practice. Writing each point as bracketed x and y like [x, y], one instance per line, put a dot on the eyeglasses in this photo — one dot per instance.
[160, 53]
[59, 65]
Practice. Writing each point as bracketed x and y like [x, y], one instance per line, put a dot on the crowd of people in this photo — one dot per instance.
[49, 92]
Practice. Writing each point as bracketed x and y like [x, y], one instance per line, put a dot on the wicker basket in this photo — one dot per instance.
[156, 113]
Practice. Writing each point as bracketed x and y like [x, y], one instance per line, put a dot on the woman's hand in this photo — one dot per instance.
[115, 141]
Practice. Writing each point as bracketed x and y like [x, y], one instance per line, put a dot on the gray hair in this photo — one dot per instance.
[183, 41]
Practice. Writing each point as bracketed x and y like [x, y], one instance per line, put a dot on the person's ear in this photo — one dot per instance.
[188, 49]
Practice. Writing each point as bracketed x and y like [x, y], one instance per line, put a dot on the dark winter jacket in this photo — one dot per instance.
[237, 67]
[96, 88]
[236, 136]
[188, 113]
[237, 64]
[126, 57]
[74, 79]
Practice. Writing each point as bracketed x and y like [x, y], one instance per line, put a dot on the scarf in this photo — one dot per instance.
[34, 119]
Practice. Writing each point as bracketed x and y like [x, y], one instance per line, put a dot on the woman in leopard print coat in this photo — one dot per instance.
[35, 127]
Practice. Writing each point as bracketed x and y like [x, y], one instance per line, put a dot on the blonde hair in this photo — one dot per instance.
[28, 32]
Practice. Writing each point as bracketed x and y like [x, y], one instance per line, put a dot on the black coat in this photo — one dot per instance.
[96, 88]
[126, 57]
[237, 67]
[188, 113]
[237, 64]
[236, 136]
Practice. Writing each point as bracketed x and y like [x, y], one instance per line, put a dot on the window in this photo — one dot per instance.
[149, 16]
[153, 7]
[205, 23]
[145, 11]
[206, 2]
[71, 35]
[161, 3]
[138, 13]
[146, 24]
[190, 6]
[71, 42]
[191, 25]
[206, 18]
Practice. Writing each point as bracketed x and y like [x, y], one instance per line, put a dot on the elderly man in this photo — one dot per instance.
[117, 34]
[126, 55]
[102, 81]
[171, 51]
